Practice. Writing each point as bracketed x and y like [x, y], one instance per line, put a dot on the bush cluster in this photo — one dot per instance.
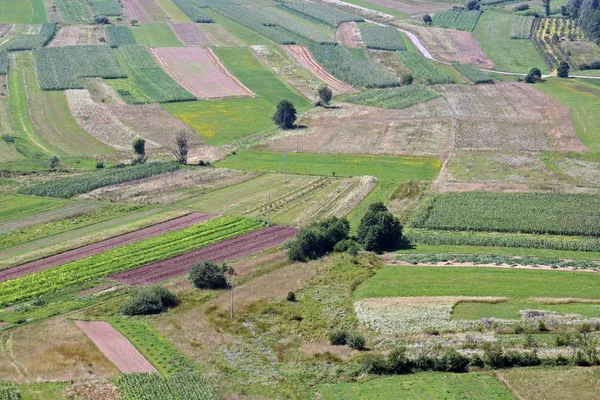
[341, 337]
[208, 275]
[318, 239]
[150, 300]
[397, 362]
[379, 230]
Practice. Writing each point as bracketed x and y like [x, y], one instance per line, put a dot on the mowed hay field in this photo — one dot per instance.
[222, 121]
[553, 384]
[22, 12]
[424, 385]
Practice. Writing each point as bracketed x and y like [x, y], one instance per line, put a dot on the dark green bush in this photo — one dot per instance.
[208, 275]
[379, 230]
[318, 239]
[147, 301]
[397, 362]
[356, 341]
[453, 361]
[339, 337]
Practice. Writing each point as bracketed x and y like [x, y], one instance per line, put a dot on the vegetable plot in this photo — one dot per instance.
[124, 258]
[179, 386]
[321, 12]
[119, 36]
[457, 19]
[424, 69]
[401, 97]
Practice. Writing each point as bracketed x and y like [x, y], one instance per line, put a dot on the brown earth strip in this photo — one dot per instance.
[226, 250]
[349, 34]
[304, 57]
[105, 245]
[189, 34]
[134, 11]
[116, 347]
[78, 35]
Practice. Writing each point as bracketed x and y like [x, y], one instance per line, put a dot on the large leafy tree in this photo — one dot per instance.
[379, 230]
[285, 116]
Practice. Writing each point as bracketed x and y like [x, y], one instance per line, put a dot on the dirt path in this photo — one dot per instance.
[303, 56]
[105, 245]
[116, 347]
[219, 252]
[349, 34]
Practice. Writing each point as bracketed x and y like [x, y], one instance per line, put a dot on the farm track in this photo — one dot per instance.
[226, 250]
[303, 56]
[116, 347]
[105, 245]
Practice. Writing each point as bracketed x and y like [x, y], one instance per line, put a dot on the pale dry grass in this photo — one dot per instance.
[93, 390]
[563, 300]
[52, 350]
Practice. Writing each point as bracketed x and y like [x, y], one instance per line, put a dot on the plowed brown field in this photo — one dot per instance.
[199, 71]
[189, 34]
[219, 252]
[116, 347]
[304, 57]
[105, 245]
[134, 11]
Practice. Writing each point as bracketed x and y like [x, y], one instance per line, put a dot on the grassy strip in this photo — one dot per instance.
[15, 207]
[397, 98]
[424, 69]
[382, 167]
[222, 121]
[483, 259]
[322, 12]
[393, 281]
[69, 187]
[154, 35]
[124, 258]
[472, 73]
[548, 213]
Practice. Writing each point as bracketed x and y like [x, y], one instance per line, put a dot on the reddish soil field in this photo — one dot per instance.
[116, 347]
[199, 71]
[134, 11]
[189, 34]
[304, 57]
[349, 34]
[468, 50]
[226, 250]
[105, 245]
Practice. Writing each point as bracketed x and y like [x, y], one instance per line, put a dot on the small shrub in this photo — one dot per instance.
[541, 326]
[407, 79]
[291, 297]
[53, 162]
[99, 164]
[374, 363]
[356, 341]
[453, 361]
[208, 275]
[398, 362]
[147, 301]
[338, 337]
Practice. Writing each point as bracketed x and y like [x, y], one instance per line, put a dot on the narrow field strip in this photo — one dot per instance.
[124, 258]
[223, 251]
[116, 347]
[105, 245]
[303, 56]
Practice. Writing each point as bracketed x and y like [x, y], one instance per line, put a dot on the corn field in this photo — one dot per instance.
[179, 386]
[400, 97]
[193, 9]
[382, 38]
[36, 41]
[119, 36]
[457, 19]
[472, 73]
[423, 69]
[520, 27]
[3, 62]
[106, 8]
[321, 12]
[9, 391]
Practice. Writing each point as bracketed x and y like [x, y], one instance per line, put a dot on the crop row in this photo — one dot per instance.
[321, 12]
[73, 11]
[58, 68]
[124, 258]
[9, 391]
[119, 36]
[149, 77]
[472, 73]
[107, 8]
[36, 41]
[193, 9]
[352, 66]
[529, 241]
[549, 33]
[423, 69]
[520, 27]
[269, 22]
[382, 38]
[3, 62]
[179, 386]
[71, 186]
[457, 19]
[400, 97]
[549, 213]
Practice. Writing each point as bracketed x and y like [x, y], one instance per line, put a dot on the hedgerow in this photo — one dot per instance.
[71, 186]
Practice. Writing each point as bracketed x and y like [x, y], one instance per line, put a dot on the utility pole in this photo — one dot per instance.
[269, 209]
[285, 156]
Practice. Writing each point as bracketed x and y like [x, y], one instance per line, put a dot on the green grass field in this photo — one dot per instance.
[583, 98]
[430, 386]
[154, 35]
[22, 12]
[17, 207]
[556, 383]
[382, 167]
[510, 55]
[517, 285]
[368, 4]
[172, 11]
[222, 121]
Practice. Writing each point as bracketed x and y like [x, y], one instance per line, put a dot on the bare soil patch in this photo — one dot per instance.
[304, 57]
[134, 11]
[217, 36]
[105, 245]
[116, 347]
[93, 390]
[51, 350]
[229, 249]
[189, 34]
[153, 10]
[173, 187]
[199, 71]
[349, 34]
[78, 36]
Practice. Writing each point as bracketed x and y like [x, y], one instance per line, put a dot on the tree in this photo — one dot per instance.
[325, 94]
[318, 239]
[208, 275]
[285, 116]
[181, 147]
[151, 300]
[472, 5]
[379, 230]
[427, 19]
[407, 79]
[547, 7]
[563, 70]
[533, 76]
[53, 162]
[139, 149]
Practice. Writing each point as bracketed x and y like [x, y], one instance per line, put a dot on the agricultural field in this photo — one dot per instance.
[472, 73]
[189, 34]
[322, 12]
[34, 40]
[424, 69]
[520, 27]
[119, 36]
[193, 10]
[381, 38]
[453, 19]
[399, 98]
[154, 35]
[22, 12]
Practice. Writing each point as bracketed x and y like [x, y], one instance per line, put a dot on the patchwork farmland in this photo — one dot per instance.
[279, 199]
